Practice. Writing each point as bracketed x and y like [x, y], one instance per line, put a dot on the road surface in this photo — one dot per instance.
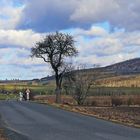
[31, 121]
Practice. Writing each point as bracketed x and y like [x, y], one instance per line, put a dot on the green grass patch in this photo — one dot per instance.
[8, 96]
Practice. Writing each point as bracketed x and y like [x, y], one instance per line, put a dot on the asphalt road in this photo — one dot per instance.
[24, 120]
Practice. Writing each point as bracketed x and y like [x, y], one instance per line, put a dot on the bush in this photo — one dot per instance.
[50, 91]
[93, 103]
[116, 101]
[129, 102]
[87, 103]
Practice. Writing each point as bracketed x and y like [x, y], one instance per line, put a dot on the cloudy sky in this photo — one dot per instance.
[106, 32]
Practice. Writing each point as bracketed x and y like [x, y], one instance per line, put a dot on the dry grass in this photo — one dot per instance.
[95, 100]
[125, 115]
[121, 81]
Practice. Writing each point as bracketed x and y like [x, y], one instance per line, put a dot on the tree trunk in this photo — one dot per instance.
[58, 95]
[58, 90]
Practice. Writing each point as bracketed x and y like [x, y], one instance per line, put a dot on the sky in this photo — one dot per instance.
[105, 31]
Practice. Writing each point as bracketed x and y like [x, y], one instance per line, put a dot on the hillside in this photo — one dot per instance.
[117, 74]
[123, 74]
[127, 67]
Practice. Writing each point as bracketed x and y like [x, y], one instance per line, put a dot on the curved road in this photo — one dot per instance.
[31, 121]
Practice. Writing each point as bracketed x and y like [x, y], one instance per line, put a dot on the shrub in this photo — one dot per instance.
[93, 103]
[129, 102]
[87, 103]
[116, 101]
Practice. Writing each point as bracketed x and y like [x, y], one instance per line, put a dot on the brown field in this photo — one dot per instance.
[121, 81]
[125, 115]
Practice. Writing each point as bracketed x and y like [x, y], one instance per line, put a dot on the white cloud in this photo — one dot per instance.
[95, 45]
[9, 14]
[104, 60]
[94, 31]
[108, 47]
[18, 56]
[122, 14]
[23, 38]
[62, 14]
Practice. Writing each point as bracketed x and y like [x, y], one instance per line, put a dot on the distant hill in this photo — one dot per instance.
[129, 67]
[47, 79]
[126, 67]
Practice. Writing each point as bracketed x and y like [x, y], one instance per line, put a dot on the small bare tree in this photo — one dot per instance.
[78, 83]
[54, 49]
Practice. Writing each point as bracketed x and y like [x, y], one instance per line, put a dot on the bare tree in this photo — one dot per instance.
[54, 49]
[78, 83]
